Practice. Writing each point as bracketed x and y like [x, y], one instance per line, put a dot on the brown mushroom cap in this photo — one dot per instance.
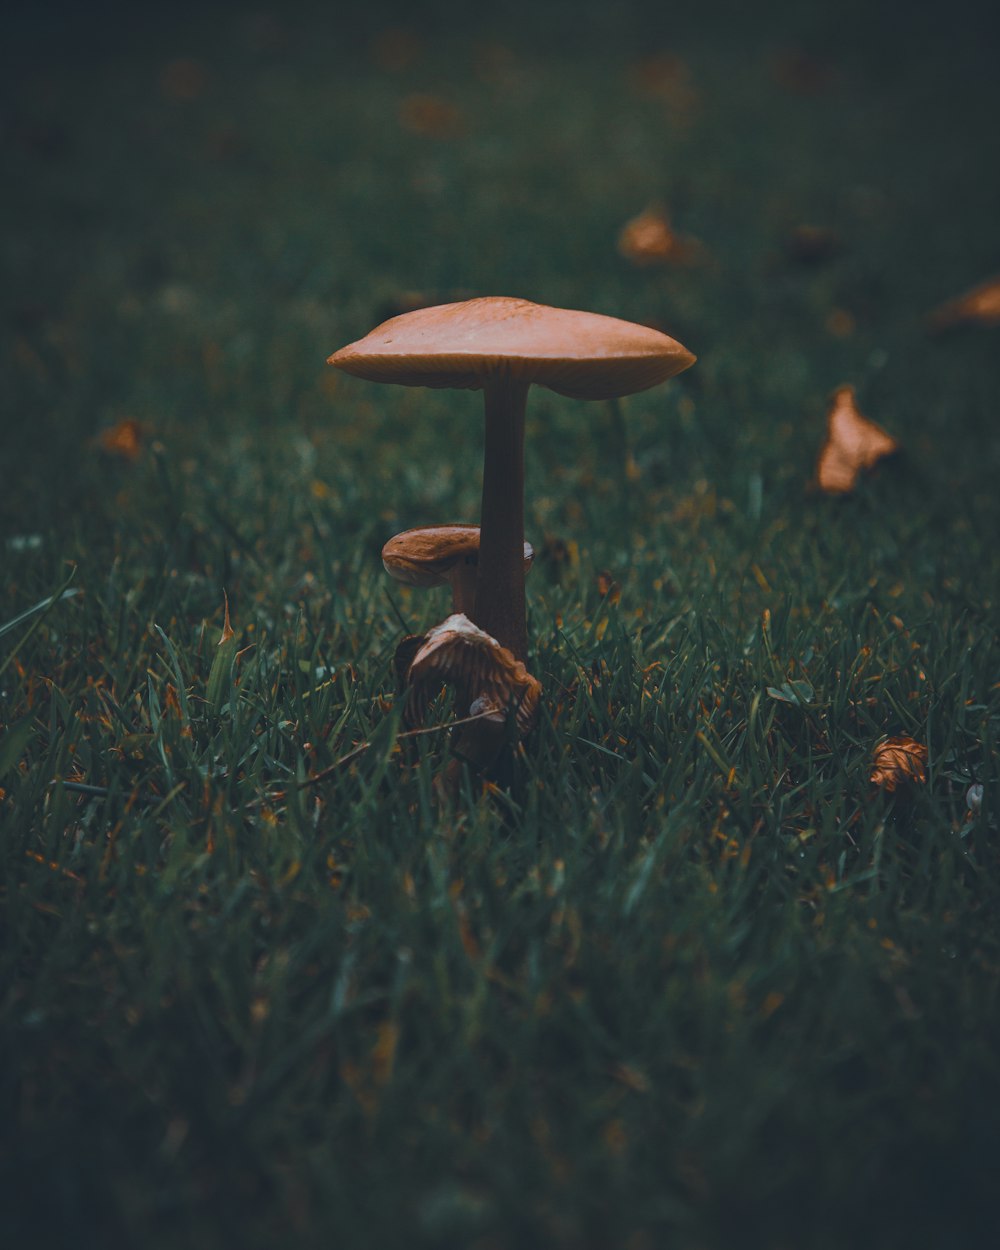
[427, 556]
[579, 354]
[459, 654]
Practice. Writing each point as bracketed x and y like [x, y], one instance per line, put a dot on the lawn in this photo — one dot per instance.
[687, 977]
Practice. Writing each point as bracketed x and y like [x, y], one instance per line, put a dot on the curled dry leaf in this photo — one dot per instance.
[457, 653]
[649, 239]
[123, 439]
[897, 761]
[852, 443]
[980, 306]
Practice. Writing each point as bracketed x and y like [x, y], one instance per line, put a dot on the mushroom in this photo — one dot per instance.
[438, 555]
[501, 346]
[488, 682]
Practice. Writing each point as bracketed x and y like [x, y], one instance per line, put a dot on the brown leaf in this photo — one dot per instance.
[980, 306]
[608, 588]
[123, 439]
[897, 761]
[852, 443]
[649, 239]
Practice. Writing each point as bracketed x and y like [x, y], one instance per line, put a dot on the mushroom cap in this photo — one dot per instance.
[460, 654]
[465, 345]
[425, 556]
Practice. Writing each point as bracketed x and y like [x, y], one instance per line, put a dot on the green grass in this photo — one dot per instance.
[689, 980]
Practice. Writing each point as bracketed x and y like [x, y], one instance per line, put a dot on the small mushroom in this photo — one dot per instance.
[488, 682]
[439, 555]
[501, 346]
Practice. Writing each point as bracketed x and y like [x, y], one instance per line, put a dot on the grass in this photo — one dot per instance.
[690, 979]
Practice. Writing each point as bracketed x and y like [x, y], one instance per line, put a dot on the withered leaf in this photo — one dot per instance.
[649, 239]
[980, 306]
[608, 588]
[852, 443]
[124, 439]
[898, 761]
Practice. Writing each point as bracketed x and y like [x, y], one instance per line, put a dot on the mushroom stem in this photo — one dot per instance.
[463, 587]
[500, 609]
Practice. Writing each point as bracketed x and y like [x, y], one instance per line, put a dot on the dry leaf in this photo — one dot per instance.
[897, 761]
[980, 306]
[430, 116]
[649, 239]
[852, 443]
[123, 439]
[608, 588]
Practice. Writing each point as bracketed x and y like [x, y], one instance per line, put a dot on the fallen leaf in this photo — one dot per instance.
[852, 443]
[897, 761]
[608, 588]
[980, 306]
[649, 239]
[123, 439]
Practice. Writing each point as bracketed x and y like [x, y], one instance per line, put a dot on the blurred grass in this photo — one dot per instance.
[690, 980]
